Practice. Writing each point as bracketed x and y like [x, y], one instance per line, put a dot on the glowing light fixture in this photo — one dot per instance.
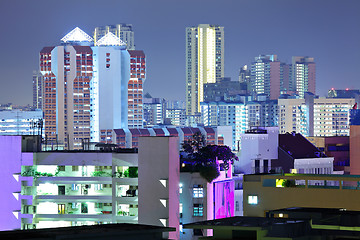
[280, 182]
[77, 35]
[110, 40]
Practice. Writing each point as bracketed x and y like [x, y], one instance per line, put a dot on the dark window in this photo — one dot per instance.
[198, 232]
[61, 190]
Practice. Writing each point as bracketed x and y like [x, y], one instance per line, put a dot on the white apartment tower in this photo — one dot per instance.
[123, 31]
[109, 95]
[204, 62]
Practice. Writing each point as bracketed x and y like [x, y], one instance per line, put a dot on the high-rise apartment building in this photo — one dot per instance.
[234, 114]
[265, 76]
[204, 62]
[154, 111]
[314, 116]
[85, 85]
[123, 31]
[175, 112]
[223, 89]
[108, 92]
[135, 88]
[38, 88]
[302, 75]
[245, 77]
[67, 72]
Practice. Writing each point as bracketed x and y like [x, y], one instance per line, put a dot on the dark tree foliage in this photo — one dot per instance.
[209, 172]
[203, 158]
[195, 143]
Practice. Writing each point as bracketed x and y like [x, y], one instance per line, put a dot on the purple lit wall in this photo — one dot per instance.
[224, 199]
[10, 160]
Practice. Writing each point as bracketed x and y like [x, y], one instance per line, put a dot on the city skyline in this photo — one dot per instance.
[321, 29]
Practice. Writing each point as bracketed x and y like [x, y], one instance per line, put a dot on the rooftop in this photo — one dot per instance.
[298, 147]
[77, 35]
[80, 232]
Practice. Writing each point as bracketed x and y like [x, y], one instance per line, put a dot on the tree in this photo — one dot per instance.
[204, 158]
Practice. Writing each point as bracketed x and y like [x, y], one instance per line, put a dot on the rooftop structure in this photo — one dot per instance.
[122, 31]
[77, 35]
[297, 154]
[110, 40]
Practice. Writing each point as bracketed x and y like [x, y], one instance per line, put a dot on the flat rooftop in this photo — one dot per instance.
[80, 232]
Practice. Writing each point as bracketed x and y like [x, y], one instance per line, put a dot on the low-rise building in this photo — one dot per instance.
[297, 155]
[337, 147]
[267, 192]
[17, 122]
[74, 188]
[286, 224]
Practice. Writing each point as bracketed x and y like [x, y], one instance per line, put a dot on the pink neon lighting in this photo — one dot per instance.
[224, 199]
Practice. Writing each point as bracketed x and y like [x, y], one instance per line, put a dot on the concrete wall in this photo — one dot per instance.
[271, 197]
[10, 158]
[159, 182]
[355, 149]
[257, 146]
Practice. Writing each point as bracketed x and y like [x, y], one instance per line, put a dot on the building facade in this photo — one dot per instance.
[269, 192]
[135, 88]
[108, 96]
[90, 85]
[315, 116]
[223, 89]
[58, 189]
[38, 88]
[204, 62]
[233, 114]
[303, 75]
[175, 112]
[17, 122]
[154, 111]
[265, 76]
[67, 71]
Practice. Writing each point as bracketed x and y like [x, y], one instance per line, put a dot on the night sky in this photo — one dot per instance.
[328, 30]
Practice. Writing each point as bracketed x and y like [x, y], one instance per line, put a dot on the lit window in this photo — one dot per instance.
[198, 210]
[253, 200]
[180, 188]
[198, 191]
